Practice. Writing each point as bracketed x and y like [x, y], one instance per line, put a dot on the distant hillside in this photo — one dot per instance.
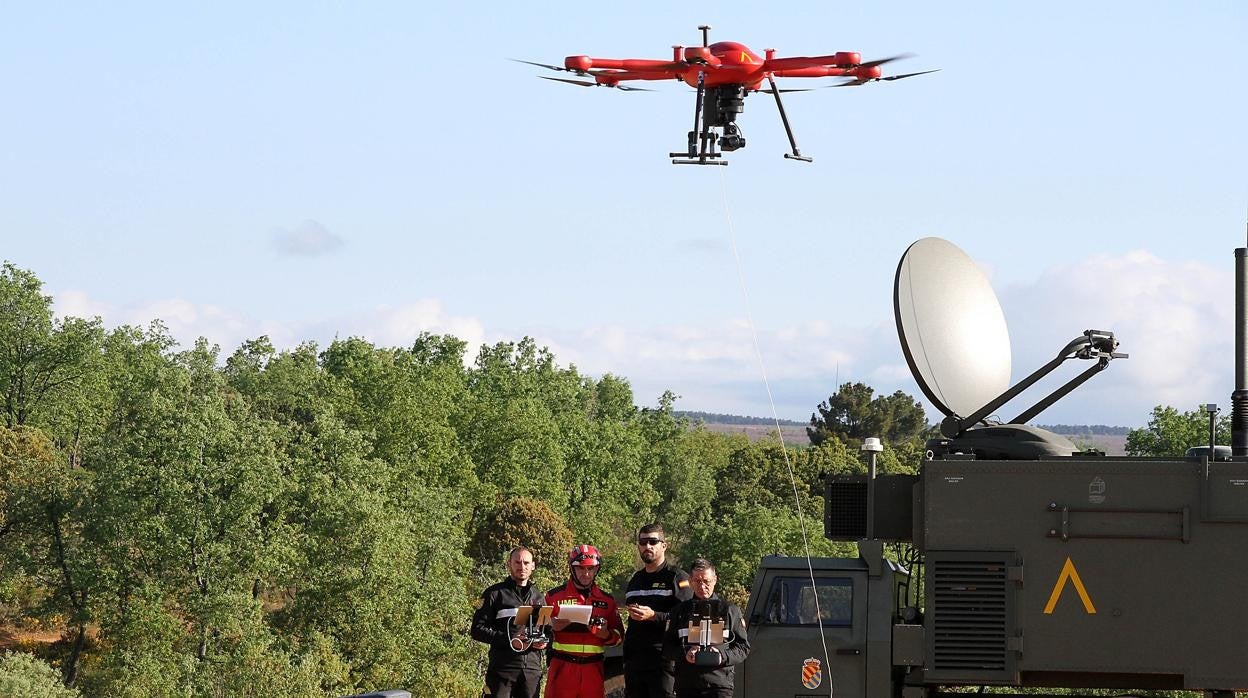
[1111, 440]
[1088, 429]
[794, 437]
[715, 418]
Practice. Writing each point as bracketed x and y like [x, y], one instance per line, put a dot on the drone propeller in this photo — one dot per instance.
[549, 67]
[590, 83]
[882, 61]
[910, 75]
[582, 83]
[862, 81]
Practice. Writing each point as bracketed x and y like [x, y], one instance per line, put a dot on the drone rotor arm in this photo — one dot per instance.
[615, 78]
[618, 75]
[843, 59]
[644, 65]
[821, 71]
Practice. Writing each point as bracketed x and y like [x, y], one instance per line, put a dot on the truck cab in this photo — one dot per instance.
[785, 613]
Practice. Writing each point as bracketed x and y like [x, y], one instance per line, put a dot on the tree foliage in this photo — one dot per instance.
[528, 522]
[23, 675]
[1170, 432]
[321, 520]
[852, 414]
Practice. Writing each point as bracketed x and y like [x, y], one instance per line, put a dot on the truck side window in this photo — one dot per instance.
[791, 601]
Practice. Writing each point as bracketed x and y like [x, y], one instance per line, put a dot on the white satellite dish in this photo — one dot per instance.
[951, 327]
[954, 337]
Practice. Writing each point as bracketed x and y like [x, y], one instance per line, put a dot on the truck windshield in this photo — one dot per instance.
[791, 601]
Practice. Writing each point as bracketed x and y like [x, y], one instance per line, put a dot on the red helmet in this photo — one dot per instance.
[584, 556]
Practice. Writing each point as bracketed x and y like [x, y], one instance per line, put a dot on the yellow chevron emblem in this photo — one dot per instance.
[1069, 574]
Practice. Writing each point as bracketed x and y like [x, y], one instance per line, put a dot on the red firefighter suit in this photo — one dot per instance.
[576, 653]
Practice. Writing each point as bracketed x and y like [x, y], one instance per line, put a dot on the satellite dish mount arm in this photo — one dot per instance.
[1092, 344]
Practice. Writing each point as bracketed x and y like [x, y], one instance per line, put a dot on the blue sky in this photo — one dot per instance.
[309, 171]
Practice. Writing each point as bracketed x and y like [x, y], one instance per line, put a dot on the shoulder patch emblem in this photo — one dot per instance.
[683, 584]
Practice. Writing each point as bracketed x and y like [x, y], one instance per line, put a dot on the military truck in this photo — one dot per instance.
[1088, 572]
[1019, 561]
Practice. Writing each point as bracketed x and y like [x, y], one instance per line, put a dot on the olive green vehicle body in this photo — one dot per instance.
[1065, 572]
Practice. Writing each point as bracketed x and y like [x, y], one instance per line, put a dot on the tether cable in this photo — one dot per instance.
[762, 367]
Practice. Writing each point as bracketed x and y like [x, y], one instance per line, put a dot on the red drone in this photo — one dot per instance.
[723, 73]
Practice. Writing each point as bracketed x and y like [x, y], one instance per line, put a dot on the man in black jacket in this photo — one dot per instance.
[705, 666]
[515, 668]
[652, 593]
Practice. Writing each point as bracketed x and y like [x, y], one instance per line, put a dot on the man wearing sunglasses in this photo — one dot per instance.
[652, 592]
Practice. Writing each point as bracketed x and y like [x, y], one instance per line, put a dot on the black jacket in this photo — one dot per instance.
[733, 651]
[661, 590]
[492, 624]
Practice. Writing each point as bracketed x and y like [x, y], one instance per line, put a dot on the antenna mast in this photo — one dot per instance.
[1239, 398]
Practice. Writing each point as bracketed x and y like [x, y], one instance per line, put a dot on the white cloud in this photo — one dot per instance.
[308, 239]
[1174, 318]
[400, 325]
[716, 369]
[78, 304]
[187, 321]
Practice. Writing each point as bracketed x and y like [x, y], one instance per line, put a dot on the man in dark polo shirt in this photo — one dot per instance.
[652, 592]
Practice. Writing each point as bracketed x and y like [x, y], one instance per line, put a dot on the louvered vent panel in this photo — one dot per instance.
[972, 607]
[845, 510]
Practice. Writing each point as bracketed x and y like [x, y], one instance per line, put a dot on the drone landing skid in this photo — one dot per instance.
[788, 131]
[715, 124]
[702, 139]
[701, 150]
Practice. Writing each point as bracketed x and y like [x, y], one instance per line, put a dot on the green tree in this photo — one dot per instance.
[41, 535]
[183, 479]
[24, 676]
[610, 483]
[405, 400]
[686, 466]
[531, 523]
[370, 590]
[319, 522]
[509, 422]
[755, 512]
[852, 414]
[1170, 432]
[39, 357]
